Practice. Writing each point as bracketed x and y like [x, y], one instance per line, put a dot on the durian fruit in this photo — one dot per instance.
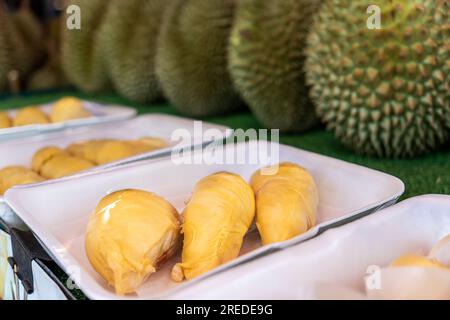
[5, 121]
[105, 151]
[54, 163]
[286, 202]
[191, 61]
[30, 115]
[69, 108]
[21, 50]
[266, 54]
[412, 260]
[13, 176]
[215, 221]
[130, 32]
[43, 155]
[129, 235]
[82, 51]
[383, 92]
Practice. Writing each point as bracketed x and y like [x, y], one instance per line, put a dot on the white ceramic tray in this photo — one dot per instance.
[101, 114]
[339, 257]
[58, 211]
[21, 151]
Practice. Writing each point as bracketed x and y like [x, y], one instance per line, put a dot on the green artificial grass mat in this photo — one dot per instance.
[424, 175]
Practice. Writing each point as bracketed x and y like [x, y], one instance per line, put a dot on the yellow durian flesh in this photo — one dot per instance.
[412, 260]
[129, 235]
[113, 151]
[87, 149]
[63, 165]
[43, 155]
[68, 108]
[13, 176]
[5, 121]
[29, 116]
[286, 202]
[215, 221]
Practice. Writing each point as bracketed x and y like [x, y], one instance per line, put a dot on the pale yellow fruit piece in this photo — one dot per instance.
[43, 155]
[216, 219]
[5, 121]
[151, 142]
[87, 150]
[29, 116]
[13, 176]
[286, 202]
[62, 165]
[129, 235]
[115, 150]
[411, 260]
[68, 108]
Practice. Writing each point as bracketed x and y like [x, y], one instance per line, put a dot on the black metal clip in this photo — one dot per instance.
[25, 249]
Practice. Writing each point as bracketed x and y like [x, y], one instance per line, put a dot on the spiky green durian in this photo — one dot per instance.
[383, 92]
[266, 60]
[130, 33]
[50, 76]
[82, 51]
[21, 48]
[191, 61]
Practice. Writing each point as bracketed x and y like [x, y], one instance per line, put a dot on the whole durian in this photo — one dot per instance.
[267, 57]
[383, 92]
[21, 48]
[82, 51]
[130, 33]
[191, 61]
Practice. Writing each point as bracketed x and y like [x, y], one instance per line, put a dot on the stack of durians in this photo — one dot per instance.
[383, 88]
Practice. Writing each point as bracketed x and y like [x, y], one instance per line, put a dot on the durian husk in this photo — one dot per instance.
[215, 221]
[129, 235]
[286, 202]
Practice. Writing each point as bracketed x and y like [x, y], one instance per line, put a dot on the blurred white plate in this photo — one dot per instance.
[20, 151]
[58, 211]
[100, 114]
[339, 258]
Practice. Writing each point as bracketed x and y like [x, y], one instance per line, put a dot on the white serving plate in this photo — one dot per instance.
[338, 258]
[101, 114]
[58, 211]
[21, 151]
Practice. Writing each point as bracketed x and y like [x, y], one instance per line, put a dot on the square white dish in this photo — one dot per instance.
[20, 151]
[101, 114]
[340, 257]
[58, 211]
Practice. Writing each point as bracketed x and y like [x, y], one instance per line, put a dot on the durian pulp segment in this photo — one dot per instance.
[68, 108]
[62, 165]
[417, 261]
[43, 155]
[130, 233]
[29, 116]
[216, 219]
[383, 92]
[13, 176]
[5, 121]
[266, 54]
[286, 202]
[191, 61]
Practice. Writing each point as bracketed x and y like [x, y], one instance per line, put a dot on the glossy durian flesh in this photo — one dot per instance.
[215, 221]
[266, 54]
[54, 163]
[68, 108]
[82, 50]
[191, 61]
[130, 33]
[383, 92]
[412, 260]
[5, 120]
[129, 235]
[286, 202]
[13, 176]
[30, 115]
